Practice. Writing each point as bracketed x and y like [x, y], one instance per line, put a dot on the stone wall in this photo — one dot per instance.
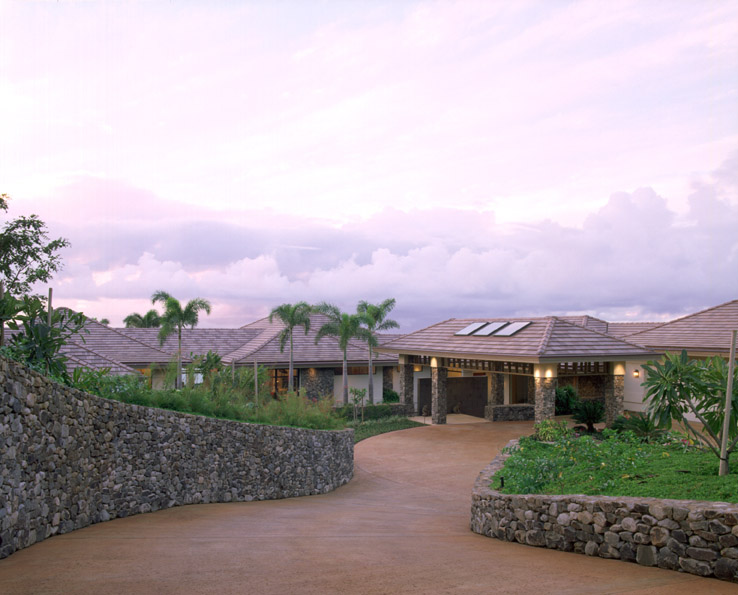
[696, 537]
[69, 459]
[515, 412]
[317, 382]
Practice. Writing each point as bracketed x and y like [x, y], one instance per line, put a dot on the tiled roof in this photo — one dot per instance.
[114, 345]
[623, 330]
[306, 352]
[79, 356]
[708, 330]
[544, 338]
[197, 341]
[590, 322]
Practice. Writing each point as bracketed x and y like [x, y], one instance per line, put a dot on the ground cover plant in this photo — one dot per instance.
[374, 427]
[621, 464]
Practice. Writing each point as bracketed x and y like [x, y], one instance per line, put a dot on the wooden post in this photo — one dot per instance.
[724, 468]
[256, 383]
[48, 321]
[2, 322]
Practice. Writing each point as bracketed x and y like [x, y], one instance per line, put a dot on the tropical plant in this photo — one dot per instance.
[40, 338]
[589, 412]
[291, 315]
[566, 399]
[10, 307]
[357, 397]
[27, 254]
[390, 396]
[550, 430]
[641, 424]
[149, 320]
[177, 318]
[375, 319]
[680, 386]
[344, 327]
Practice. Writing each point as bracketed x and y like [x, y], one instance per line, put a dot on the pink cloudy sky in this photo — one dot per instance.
[467, 158]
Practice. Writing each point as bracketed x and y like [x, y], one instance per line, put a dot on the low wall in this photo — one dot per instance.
[696, 537]
[515, 412]
[69, 459]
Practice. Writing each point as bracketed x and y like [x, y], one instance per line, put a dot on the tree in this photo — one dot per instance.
[375, 319]
[149, 320]
[680, 386]
[27, 254]
[291, 316]
[344, 327]
[177, 318]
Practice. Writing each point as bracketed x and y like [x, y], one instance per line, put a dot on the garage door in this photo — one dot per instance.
[470, 393]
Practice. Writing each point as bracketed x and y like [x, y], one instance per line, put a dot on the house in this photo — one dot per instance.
[317, 367]
[509, 368]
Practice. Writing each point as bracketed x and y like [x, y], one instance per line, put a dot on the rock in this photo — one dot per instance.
[667, 559]
[628, 524]
[659, 536]
[695, 566]
[726, 569]
[591, 549]
[699, 553]
[646, 555]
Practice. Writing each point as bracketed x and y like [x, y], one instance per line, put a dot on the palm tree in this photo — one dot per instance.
[291, 316]
[344, 327]
[176, 318]
[375, 319]
[149, 320]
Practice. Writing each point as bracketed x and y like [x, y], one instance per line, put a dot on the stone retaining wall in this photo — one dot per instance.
[515, 412]
[69, 459]
[696, 537]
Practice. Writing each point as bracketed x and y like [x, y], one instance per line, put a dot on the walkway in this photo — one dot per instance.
[401, 526]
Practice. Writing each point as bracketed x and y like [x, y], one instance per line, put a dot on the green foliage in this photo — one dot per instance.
[390, 396]
[620, 465]
[291, 316]
[344, 327]
[374, 427]
[28, 256]
[357, 397]
[641, 425]
[374, 317]
[566, 399]
[293, 409]
[38, 343]
[377, 411]
[680, 386]
[549, 430]
[589, 412]
[149, 320]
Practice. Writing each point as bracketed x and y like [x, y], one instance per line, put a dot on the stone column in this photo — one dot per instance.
[438, 395]
[545, 398]
[317, 382]
[496, 386]
[386, 379]
[614, 393]
[406, 387]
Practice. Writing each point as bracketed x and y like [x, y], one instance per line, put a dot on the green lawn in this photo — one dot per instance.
[619, 465]
[375, 427]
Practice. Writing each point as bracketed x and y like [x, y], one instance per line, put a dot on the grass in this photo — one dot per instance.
[620, 465]
[375, 427]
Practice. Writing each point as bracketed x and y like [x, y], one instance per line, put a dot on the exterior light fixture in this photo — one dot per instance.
[636, 373]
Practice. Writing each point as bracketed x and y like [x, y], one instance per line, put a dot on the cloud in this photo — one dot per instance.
[633, 258]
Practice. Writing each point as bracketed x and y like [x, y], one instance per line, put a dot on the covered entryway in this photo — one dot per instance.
[466, 395]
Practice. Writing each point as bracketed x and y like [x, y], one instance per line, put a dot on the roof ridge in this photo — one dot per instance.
[116, 331]
[687, 316]
[609, 336]
[547, 334]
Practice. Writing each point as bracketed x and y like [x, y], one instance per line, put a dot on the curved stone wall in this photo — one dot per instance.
[69, 459]
[696, 537]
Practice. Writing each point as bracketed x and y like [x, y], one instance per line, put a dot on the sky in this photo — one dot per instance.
[466, 158]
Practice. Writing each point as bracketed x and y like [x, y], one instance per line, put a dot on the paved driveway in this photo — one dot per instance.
[401, 526]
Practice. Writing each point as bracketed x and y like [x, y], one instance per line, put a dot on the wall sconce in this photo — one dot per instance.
[636, 373]
[417, 368]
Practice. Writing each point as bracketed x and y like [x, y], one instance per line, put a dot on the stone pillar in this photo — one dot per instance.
[531, 392]
[317, 382]
[545, 399]
[614, 393]
[496, 388]
[386, 379]
[406, 387]
[438, 394]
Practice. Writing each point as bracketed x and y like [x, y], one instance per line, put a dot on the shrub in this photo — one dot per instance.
[641, 425]
[550, 430]
[566, 399]
[589, 413]
[390, 396]
[378, 411]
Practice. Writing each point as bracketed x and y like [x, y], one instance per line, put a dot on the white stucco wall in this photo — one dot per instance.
[634, 392]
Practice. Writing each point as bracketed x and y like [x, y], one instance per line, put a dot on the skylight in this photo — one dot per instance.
[489, 329]
[470, 329]
[511, 329]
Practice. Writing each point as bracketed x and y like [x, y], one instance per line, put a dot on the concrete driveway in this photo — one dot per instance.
[401, 526]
